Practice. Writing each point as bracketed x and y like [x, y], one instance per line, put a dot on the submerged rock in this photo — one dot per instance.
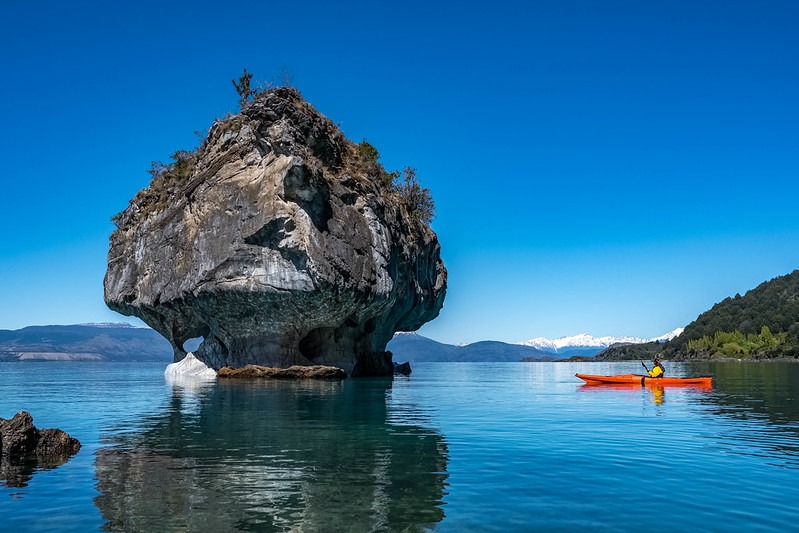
[281, 243]
[292, 372]
[24, 448]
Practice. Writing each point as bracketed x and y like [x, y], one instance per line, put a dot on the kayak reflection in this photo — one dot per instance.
[658, 392]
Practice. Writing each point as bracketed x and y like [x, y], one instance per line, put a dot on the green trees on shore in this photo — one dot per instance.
[741, 345]
[763, 323]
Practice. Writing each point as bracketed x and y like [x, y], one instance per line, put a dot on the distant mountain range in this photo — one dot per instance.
[416, 348]
[768, 315]
[84, 342]
[123, 342]
[587, 345]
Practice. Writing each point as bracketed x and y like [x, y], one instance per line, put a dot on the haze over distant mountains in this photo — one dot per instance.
[585, 344]
[122, 342]
[415, 348]
[84, 342]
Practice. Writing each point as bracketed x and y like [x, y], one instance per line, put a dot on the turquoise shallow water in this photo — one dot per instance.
[455, 447]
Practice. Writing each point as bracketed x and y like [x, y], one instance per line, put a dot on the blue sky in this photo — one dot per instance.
[610, 167]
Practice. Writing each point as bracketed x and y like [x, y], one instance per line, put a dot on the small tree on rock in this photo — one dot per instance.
[243, 88]
[418, 199]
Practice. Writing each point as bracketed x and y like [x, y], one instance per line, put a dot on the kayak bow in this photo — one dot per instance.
[704, 381]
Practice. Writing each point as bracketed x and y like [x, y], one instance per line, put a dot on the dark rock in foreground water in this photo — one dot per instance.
[280, 242]
[292, 372]
[24, 448]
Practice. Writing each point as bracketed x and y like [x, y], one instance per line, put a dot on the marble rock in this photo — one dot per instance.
[279, 245]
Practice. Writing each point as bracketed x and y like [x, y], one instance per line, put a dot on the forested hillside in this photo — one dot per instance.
[763, 323]
[629, 352]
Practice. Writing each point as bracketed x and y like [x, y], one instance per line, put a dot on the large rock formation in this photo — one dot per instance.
[279, 242]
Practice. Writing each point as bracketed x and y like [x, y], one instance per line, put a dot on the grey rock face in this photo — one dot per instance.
[278, 248]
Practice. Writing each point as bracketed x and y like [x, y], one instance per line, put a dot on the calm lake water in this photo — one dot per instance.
[455, 447]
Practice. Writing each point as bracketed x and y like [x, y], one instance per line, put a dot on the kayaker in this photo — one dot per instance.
[657, 370]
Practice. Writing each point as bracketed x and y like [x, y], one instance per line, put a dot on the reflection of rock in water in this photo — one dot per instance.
[275, 456]
[25, 449]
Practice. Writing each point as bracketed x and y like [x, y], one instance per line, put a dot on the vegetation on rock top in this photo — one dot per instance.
[404, 184]
[170, 181]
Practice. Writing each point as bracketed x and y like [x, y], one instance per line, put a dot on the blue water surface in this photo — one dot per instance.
[455, 447]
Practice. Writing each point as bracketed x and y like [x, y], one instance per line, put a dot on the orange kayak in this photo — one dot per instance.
[704, 381]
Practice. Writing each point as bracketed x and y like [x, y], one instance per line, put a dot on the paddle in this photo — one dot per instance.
[643, 365]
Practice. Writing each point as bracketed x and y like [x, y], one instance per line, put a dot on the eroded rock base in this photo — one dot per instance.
[292, 372]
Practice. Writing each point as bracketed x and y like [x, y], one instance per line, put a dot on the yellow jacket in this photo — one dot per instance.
[656, 372]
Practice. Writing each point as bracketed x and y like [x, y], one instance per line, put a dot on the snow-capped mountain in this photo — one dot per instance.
[668, 336]
[583, 340]
[586, 344]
